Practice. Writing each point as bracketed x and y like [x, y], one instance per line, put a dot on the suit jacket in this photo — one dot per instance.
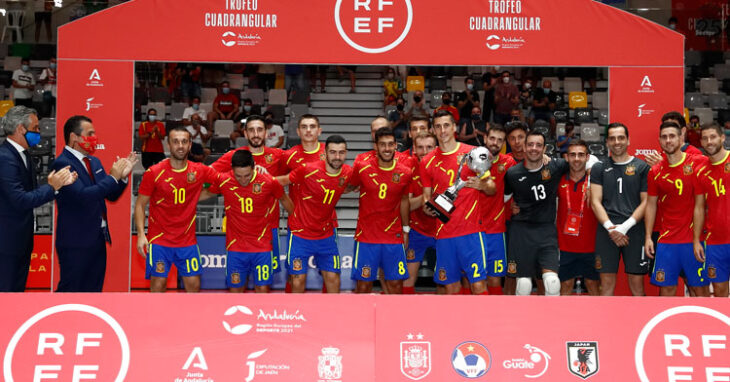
[19, 195]
[81, 206]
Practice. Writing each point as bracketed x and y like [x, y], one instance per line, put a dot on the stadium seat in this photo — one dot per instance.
[560, 129]
[542, 127]
[159, 107]
[223, 128]
[709, 85]
[255, 95]
[241, 141]
[590, 132]
[208, 107]
[717, 101]
[689, 85]
[207, 95]
[235, 80]
[583, 115]
[414, 83]
[435, 99]
[722, 71]
[457, 84]
[600, 100]
[577, 100]
[572, 84]
[177, 109]
[705, 114]
[279, 112]
[603, 117]
[12, 63]
[292, 139]
[692, 58]
[560, 116]
[694, 100]
[5, 105]
[437, 83]
[160, 94]
[277, 97]
[300, 97]
[47, 127]
[209, 160]
[597, 149]
[219, 145]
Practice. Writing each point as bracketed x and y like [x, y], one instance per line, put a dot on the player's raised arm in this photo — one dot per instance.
[283, 180]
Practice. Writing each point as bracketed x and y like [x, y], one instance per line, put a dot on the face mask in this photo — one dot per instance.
[33, 138]
[446, 101]
[89, 144]
[391, 76]
[53, 65]
[505, 80]
[546, 90]
[475, 117]
[672, 26]
[152, 118]
[515, 118]
[470, 86]
[416, 99]
[528, 86]
[25, 68]
[247, 108]
[400, 107]
[226, 90]
[196, 106]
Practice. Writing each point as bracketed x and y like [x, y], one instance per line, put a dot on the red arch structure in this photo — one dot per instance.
[97, 55]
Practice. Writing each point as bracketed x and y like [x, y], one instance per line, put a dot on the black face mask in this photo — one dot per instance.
[447, 101]
[416, 99]
[400, 107]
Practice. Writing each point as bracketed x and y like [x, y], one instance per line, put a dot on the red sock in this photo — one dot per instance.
[495, 291]
[465, 291]
[409, 290]
[485, 293]
[324, 288]
[287, 289]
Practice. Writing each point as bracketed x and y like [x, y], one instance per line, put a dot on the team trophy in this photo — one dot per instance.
[479, 160]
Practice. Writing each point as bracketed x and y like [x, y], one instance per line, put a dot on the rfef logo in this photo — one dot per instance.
[373, 26]
[684, 343]
[69, 342]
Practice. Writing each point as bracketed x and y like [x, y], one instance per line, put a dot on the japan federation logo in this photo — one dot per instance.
[582, 358]
[545, 174]
[330, 364]
[191, 177]
[471, 359]
[415, 357]
[373, 26]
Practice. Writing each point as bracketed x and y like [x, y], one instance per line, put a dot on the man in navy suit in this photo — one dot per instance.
[20, 194]
[82, 228]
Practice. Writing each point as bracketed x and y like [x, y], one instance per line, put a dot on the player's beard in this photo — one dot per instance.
[494, 150]
[177, 156]
[335, 164]
[713, 149]
[382, 157]
[252, 143]
[673, 149]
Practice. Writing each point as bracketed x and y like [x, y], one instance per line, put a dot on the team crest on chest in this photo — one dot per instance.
[341, 181]
[630, 170]
[687, 169]
[545, 174]
[191, 177]
[500, 168]
[257, 188]
[321, 156]
[269, 158]
[396, 177]
[727, 167]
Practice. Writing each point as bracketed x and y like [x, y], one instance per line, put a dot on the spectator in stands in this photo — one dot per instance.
[446, 105]
[489, 81]
[266, 76]
[43, 14]
[543, 105]
[48, 80]
[225, 105]
[526, 94]
[350, 69]
[473, 130]
[151, 133]
[200, 137]
[391, 88]
[194, 108]
[398, 119]
[293, 78]
[506, 97]
[672, 23]
[693, 131]
[564, 140]
[516, 115]
[23, 84]
[241, 119]
[190, 82]
[467, 99]
[418, 107]
[274, 132]
[321, 72]
[726, 127]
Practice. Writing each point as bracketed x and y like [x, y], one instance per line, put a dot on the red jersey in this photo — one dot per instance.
[313, 214]
[411, 161]
[420, 222]
[576, 193]
[675, 187]
[381, 190]
[451, 109]
[495, 211]
[248, 210]
[438, 171]
[296, 156]
[227, 102]
[690, 150]
[713, 179]
[173, 199]
[153, 144]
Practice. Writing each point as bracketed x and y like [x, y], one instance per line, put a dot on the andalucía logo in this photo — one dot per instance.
[375, 26]
[415, 357]
[471, 359]
[582, 358]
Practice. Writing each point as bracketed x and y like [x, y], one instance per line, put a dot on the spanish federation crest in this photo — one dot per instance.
[330, 364]
[396, 177]
[341, 181]
[257, 188]
[191, 177]
[687, 169]
[583, 358]
[630, 170]
[500, 168]
[415, 357]
[727, 166]
[269, 158]
[545, 174]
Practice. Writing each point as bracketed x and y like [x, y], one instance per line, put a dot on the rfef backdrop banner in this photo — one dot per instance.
[97, 55]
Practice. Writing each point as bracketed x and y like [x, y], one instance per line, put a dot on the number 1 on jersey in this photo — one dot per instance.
[620, 182]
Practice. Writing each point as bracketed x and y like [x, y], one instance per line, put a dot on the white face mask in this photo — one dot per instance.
[528, 85]
[505, 80]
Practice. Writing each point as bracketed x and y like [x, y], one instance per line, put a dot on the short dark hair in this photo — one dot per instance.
[616, 125]
[334, 139]
[506, 71]
[516, 125]
[578, 142]
[242, 158]
[691, 117]
[225, 83]
[247, 100]
[535, 132]
[383, 132]
[196, 97]
[178, 128]
[307, 116]
[496, 127]
[151, 109]
[712, 126]
[676, 116]
[444, 113]
[73, 125]
[467, 78]
[670, 124]
[268, 112]
[417, 118]
[254, 117]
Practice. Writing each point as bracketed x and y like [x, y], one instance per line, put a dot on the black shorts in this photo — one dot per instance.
[608, 254]
[574, 264]
[532, 248]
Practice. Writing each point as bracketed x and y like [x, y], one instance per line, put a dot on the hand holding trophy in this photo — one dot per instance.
[479, 160]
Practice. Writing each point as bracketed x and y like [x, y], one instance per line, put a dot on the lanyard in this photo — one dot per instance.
[586, 182]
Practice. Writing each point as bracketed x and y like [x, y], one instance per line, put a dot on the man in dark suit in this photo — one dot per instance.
[20, 194]
[82, 228]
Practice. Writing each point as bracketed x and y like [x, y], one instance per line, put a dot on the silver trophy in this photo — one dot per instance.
[479, 160]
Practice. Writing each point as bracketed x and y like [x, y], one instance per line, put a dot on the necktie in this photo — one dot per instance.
[29, 166]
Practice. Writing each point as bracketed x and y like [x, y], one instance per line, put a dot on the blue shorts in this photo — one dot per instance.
[671, 259]
[369, 257]
[462, 253]
[240, 264]
[496, 254]
[718, 262]
[275, 249]
[418, 243]
[160, 258]
[325, 252]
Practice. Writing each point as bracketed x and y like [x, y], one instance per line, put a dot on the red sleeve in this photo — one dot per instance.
[210, 175]
[701, 163]
[223, 164]
[142, 129]
[651, 183]
[296, 176]
[276, 188]
[148, 183]
[425, 176]
[163, 133]
[236, 101]
[355, 179]
[217, 100]
[215, 187]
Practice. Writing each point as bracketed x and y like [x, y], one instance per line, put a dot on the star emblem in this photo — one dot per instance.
[419, 336]
[409, 336]
[471, 348]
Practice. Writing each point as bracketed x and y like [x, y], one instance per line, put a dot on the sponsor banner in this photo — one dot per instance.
[500, 32]
[103, 91]
[703, 23]
[639, 97]
[39, 274]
